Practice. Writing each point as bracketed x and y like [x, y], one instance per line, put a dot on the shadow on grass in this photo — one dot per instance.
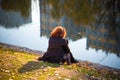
[34, 65]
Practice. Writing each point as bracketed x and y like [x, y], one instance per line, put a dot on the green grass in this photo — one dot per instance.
[24, 66]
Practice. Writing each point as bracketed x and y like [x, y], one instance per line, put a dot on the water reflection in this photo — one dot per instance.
[97, 20]
[103, 38]
[14, 13]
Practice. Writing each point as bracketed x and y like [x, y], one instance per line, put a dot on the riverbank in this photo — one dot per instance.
[20, 63]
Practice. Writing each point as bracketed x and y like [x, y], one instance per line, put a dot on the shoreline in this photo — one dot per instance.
[37, 52]
[21, 49]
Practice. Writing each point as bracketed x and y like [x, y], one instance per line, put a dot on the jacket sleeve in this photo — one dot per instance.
[65, 46]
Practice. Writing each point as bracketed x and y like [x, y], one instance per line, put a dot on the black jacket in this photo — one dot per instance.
[56, 50]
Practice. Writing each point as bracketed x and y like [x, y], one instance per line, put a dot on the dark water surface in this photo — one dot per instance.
[93, 29]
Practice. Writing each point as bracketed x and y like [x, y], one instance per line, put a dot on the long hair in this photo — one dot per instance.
[59, 31]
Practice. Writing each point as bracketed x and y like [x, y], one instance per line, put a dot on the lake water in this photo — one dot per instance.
[31, 28]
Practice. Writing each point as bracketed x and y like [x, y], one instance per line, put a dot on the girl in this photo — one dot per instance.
[58, 50]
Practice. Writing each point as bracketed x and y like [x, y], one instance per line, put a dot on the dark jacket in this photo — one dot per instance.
[56, 50]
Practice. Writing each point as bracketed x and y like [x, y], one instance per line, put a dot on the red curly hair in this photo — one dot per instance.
[59, 31]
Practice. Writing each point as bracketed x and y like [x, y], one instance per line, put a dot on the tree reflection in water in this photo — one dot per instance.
[98, 20]
[14, 13]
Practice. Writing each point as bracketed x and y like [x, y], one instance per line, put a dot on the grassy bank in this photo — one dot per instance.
[18, 65]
